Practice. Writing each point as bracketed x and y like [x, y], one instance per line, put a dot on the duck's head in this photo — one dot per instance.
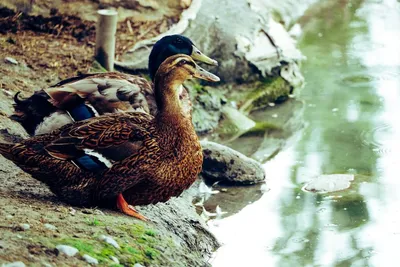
[170, 76]
[172, 45]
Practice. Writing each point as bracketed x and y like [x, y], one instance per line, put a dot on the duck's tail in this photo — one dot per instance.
[30, 112]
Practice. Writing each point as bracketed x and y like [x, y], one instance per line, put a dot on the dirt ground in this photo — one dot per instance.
[38, 50]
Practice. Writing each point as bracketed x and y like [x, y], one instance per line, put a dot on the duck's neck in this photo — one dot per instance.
[168, 104]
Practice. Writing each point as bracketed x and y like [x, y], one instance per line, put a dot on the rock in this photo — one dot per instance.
[10, 60]
[138, 265]
[179, 218]
[50, 226]
[206, 110]
[222, 163]
[9, 217]
[110, 241]
[72, 211]
[14, 264]
[67, 250]
[24, 227]
[327, 183]
[114, 259]
[245, 43]
[90, 259]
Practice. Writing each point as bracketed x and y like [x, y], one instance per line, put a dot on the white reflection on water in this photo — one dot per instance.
[270, 231]
[383, 232]
[249, 235]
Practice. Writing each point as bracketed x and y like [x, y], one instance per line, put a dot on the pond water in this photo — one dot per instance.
[351, 110]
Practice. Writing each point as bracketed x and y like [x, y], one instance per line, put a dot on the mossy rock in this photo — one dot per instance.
[265, 92]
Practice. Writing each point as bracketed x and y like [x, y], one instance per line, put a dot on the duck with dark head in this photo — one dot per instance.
[92, 95]
[122, 159]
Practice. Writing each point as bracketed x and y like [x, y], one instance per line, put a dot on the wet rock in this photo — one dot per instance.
[110, 241]
[10, 60]
[67, 250]
[90, 259]
[222, 163]
[14, 264]
[50, 227]
[328, 183]
[24, 227]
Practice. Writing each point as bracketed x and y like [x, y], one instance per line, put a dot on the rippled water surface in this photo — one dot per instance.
[352, 116]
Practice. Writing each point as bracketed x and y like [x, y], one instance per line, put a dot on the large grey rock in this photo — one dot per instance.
[222, 163]
[241, 35]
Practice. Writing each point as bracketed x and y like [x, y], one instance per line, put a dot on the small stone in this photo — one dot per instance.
[46, 264]
[19, 236]
[327, 183]
[24, 227]
[67, 250]
[110, 241]
[138, 265]
[50, 227]
[14, 264]
[114, 259]
[8, 217]
[72, 211]
[90, 259]
[10, 60]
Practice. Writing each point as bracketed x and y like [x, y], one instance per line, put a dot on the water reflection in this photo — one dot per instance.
[351, 107]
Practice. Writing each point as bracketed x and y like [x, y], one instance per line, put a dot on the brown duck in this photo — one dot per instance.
[122, 158]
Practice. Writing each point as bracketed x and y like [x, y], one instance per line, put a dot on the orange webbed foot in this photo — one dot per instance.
[128, 209]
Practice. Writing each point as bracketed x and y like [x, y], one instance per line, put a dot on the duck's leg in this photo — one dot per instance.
[128, 209]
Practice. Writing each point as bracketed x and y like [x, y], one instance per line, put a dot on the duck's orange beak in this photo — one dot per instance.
[205, 75]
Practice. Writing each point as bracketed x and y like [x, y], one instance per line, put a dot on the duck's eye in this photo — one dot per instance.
[182, 62]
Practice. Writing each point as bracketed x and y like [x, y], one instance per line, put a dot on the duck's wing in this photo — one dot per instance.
[110, 138]
[101, 93]
[83, 97]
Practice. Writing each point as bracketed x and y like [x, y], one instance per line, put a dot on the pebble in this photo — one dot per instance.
[90, 259]
[24, 227]
[110, 241]
[14, 264]
[11, 60]
[138, 265]
[72, 211]
[67, 250]
[50, 226]
[114, 259]
[8, 217]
